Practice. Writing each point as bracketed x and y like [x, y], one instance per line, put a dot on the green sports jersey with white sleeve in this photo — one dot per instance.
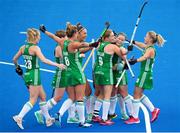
[145, 79]
[75, 76]
[32, 74]
[103, 66]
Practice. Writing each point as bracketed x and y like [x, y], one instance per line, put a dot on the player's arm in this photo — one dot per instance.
[149, 53]
[17, 55]
[84, 50]
[51, 35]
[40, 55]
[139, 44]
[119, 52]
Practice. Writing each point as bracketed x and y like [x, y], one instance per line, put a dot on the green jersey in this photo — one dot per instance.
[145, 78]
[75, 76]
[147, 65]
[58, 80]
[31, 61]
[103, 66]
[116, 74]
[32, 74]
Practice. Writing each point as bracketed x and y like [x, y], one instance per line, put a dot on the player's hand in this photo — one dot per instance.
[94, 44]
[42, 28]
[132, 61]
[19, 70]
[62, 66]
[130, 48]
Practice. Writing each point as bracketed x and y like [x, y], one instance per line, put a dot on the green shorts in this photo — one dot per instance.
[145, 80]
[117, 75]
[104, 77]
[75, 78]
[59, 80]
[32, 77]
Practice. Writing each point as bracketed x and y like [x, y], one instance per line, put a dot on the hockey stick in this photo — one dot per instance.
[137, 22]
[107, 24]
[132, 37]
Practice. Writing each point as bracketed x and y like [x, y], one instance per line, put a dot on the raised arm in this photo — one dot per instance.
[51, 35]
[139, 44]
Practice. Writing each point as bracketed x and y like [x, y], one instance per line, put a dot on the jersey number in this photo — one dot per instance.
[100, 61]
[28, 64]
[66, 61]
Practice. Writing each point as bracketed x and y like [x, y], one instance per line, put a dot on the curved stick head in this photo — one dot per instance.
[107, 24]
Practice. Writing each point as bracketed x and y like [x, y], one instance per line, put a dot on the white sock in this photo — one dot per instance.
[80, 111]
[97, 107]
[26, 108]
[106, 105]
[129, 104]
[44, 108]
[145, 100]
[88, 104]
[71, 111]
[136, 105]
[65, 106]
[50, 103]
[113, 102]
[122, 104]
[92, 103]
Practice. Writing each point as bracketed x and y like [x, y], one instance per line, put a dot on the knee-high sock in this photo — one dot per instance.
[80, 111]
[65, 106]
[145, 100]
[113, 102]
[26, 108]
[106, 105]
[50, 103]
[122, 104]
[44, 108]
[71, 111]
[92, 103]
[136, 105]
[97, 107]
[129, 104]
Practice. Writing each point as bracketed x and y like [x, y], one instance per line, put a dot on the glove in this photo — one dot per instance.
[42, 28]
[130, 48]
[132, 61]
[94, 44]
[125, 67]
[99, 40]
[133, 42]
[19, 70]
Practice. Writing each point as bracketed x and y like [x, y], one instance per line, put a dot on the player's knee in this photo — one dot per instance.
[57, 98]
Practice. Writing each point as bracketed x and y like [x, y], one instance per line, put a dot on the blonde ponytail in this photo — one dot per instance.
[160, 40]
[157, 38]
[32, 34]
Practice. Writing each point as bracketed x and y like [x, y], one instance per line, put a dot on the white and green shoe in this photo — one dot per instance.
[124, 116]
[39, 117]
[89, 118]
[72, 120]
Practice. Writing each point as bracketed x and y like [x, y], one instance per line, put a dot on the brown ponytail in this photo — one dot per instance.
[70, 29]
[107, 34]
